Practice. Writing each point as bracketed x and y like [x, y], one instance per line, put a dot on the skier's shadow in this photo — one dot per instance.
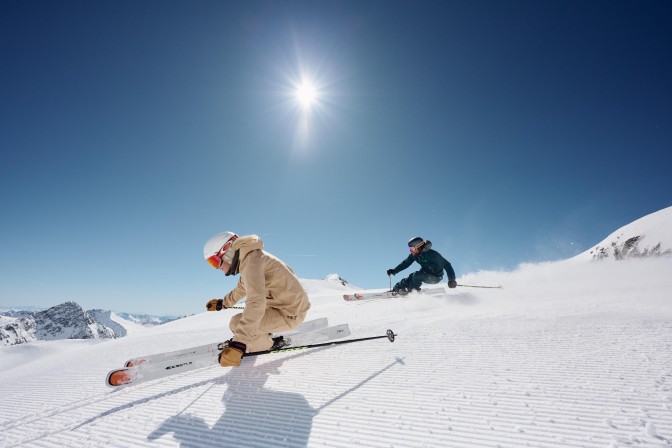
[253, 416]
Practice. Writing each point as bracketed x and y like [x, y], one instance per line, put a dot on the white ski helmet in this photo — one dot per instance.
[213, 248]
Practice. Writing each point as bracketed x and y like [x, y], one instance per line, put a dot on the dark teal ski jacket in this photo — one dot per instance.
[431, 261]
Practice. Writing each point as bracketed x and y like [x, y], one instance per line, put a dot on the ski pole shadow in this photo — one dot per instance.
[253, 415]
[140, 402]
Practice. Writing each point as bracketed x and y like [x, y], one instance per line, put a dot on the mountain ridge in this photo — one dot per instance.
[648, 236]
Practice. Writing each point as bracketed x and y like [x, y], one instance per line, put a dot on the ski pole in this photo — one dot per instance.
[477, 286]
[389, 335]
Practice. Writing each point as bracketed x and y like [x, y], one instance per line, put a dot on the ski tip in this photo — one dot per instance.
[135, 363]
[118, 378]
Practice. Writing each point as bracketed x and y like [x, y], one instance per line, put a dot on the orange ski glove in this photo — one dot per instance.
[215, 305]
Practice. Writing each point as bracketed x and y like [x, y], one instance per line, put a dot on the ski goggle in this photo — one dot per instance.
[416, 247]
[223, 256]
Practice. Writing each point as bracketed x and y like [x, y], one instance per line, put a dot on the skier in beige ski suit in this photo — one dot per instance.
[276, 301]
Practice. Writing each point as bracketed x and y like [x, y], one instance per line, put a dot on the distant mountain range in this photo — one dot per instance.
[69, 321]
[65, 321]
[147, 320]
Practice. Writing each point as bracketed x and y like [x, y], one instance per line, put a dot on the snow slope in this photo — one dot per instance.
[648, 236]
[569, 354]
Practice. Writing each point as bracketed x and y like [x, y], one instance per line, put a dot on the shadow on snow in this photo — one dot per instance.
[254, 415]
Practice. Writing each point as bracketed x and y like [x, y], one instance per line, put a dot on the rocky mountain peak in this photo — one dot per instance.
[65, 321]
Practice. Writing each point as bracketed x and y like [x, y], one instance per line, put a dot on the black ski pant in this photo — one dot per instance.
[416, 279]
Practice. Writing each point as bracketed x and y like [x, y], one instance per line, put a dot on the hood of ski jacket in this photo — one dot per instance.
[431, 261]
[267, 282]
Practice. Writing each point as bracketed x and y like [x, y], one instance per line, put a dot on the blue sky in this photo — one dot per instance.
[504, 132]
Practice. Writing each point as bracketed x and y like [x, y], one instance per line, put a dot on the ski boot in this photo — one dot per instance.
[280, 342]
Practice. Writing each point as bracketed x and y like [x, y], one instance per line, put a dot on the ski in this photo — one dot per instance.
[204, 350]
[369, 295]
[355, 297]
[314, 337]
[161, 369]
[308, 326]
[165, 367]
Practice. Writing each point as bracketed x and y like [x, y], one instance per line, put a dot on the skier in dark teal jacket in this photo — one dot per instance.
[431, 271]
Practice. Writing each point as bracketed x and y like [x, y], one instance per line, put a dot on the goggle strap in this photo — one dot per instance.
[417, 246]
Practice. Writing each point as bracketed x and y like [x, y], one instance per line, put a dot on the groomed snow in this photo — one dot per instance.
[568, 354]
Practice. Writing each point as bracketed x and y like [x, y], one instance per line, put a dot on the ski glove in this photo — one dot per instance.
[232, 354]
[452, 284]
[390, 272]
[215, 305]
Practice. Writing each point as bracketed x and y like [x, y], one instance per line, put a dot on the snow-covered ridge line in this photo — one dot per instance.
[649, 236]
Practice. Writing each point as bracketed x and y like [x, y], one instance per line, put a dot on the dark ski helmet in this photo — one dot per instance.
[416, 243]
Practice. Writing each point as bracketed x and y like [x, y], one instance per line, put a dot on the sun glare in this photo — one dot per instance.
[304, 97]
[306, 94]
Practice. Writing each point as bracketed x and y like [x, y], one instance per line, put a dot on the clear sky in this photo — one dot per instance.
[504, 132]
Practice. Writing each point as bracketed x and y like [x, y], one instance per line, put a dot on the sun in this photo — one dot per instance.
[306, 94]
